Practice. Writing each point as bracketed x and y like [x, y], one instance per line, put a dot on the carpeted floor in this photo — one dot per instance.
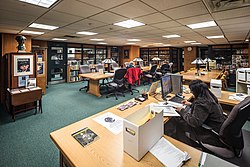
[26, 142]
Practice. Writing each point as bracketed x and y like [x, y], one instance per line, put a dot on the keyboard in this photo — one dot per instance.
[176, 99]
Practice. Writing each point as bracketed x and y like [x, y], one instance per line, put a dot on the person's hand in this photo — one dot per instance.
[185, 102]
[178, 109]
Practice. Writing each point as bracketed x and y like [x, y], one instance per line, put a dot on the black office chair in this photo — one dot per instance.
[117, 83]
[133, 78]
[163, 70]
[230, 133]
[150, 75]
[114, 66]
[99, 67]
[85, 69]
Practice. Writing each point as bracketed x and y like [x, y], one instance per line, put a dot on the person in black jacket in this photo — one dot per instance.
[205, 109]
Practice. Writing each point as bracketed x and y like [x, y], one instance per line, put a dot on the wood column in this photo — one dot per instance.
[134, 51]
[189, 56]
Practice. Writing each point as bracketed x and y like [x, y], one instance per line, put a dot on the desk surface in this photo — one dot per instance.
[96, 75]
[190, 75]
[108, 149]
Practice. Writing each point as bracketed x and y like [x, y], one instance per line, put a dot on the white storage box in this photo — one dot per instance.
[141, 130]
[248, 74]
[241, 74]
[215, 85]
[248, 90]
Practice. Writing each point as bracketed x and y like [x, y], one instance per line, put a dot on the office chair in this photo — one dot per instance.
[150, 75]
[99, 67]
[230, 134]
[114, 66]
[133, 77]
[163, 70]
[117, 83]
[85, 69]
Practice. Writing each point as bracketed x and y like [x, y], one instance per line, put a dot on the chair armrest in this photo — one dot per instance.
[209, 129]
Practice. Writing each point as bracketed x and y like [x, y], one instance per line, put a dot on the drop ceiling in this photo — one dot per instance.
[161, 17]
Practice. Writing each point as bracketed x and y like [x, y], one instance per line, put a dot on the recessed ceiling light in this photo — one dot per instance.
[59, 39]
[131, 43]
[133, 40]
[31, 32]
[202, 25]
[43, 26]
[86, 33]
[189, 41]
[102, 43]
[97, 39]
[129, 23]
[196, 43]
[217, 36]
[42, 3]
[171, 36]
[247, 40]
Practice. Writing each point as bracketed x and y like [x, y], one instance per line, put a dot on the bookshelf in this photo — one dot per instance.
[240, 57]
[174, 60]
[114, 53]
[164, 54]
[100, 54]
[153, 52]
[88, 54]
[74, 58]
[144, 56]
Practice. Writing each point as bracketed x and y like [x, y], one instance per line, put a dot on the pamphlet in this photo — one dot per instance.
[168, 154]
[167, 110]
[110, 121]
[127, 105]
[85, 136]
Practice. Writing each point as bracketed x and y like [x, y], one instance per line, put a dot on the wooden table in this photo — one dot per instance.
[190, 75]
[94, 78]
[22, 98]
[225, 99]
[108, 149]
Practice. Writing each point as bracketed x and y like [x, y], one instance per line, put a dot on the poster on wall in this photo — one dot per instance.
[22, 80]
[23, 65]
[126, 54]
[30, 83]
[40, 68]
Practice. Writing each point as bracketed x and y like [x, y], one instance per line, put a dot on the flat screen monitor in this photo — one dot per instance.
[177, 83]
[166, 86]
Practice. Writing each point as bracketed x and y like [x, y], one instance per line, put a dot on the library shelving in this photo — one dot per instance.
[153, 52]
[88, 54]
[114, 53]
[101, 54]
[144, 55]
[74, 57]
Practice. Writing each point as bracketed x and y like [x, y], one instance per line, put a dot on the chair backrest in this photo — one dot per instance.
[133, 75]
[119, 75]
[153, 69]
[99, 67]
[126, 64]
[84, 69]
[165, 67]
[230, 131]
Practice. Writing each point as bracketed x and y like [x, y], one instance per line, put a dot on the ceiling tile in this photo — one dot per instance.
[108, 17]
[190, 10]
[105, 29]
[76, 8]
[15, 15]
[236, 26]
[133, 9]
[168, 24]
[234, 21]
[85, 24]
[105, 4]
[196, 19]
[153, 18]
[181, 29]
[167, 4]
[216, 28]
[228, 14]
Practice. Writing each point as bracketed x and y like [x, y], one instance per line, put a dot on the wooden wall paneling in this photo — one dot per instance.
[134, 51]
[189, 56]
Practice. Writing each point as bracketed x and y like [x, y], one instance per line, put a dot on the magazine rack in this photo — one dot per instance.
[18, 67]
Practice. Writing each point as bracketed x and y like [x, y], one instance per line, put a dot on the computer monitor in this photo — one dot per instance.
[177, 83]
[166, 86]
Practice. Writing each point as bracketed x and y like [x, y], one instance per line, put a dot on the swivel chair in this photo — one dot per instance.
[117, 83]
[163, 70]
[150, 75]
[85, 69]
[133, 77]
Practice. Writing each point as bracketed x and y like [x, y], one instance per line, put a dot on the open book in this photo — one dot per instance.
[168, 154]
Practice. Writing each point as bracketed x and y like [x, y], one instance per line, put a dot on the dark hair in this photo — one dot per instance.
[200, 89]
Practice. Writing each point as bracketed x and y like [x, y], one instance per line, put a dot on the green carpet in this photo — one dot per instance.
[26, 142]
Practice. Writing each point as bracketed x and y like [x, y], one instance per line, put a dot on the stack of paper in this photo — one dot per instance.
[237, 96]
[167, 109]
[168, 154]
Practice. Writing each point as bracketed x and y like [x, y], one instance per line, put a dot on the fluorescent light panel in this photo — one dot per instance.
[171, 36]
[247, 40]
[129, 24]
[167, 45]
[59, 39]
[42, 3]
[133, 40]
[202, 25]
[31, 32]
[196, 43]
[43, 26]
[97, 39]
[102, 43]
[86, 33]
[214, 37]
[189, 41]
[130, 43]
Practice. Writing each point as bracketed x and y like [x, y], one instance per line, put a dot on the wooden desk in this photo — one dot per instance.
[225, 99]
[145, 68]
[94, 78]
[108, 149]
[190, 75]
[23, 98]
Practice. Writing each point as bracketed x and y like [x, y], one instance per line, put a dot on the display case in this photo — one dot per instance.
[88, 54]
[57, 68]
[101, 54]
[74, 57]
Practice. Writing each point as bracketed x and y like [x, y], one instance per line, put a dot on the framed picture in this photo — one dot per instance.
[40, 68]
[30, 82]
[23, 65]
[126, 54]
[22, 80]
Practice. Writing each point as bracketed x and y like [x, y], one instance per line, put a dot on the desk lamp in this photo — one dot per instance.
[156, 59]
[108, 61]
[138, 60]
[207, 60]
[198, 61]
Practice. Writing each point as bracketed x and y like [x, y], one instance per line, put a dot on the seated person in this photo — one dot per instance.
[205, 109]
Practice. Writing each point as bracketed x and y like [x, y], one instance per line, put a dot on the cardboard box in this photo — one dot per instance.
[215, 86]
[141, 130]
[241, 72]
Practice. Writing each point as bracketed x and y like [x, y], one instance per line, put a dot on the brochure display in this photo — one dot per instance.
[85, 136]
